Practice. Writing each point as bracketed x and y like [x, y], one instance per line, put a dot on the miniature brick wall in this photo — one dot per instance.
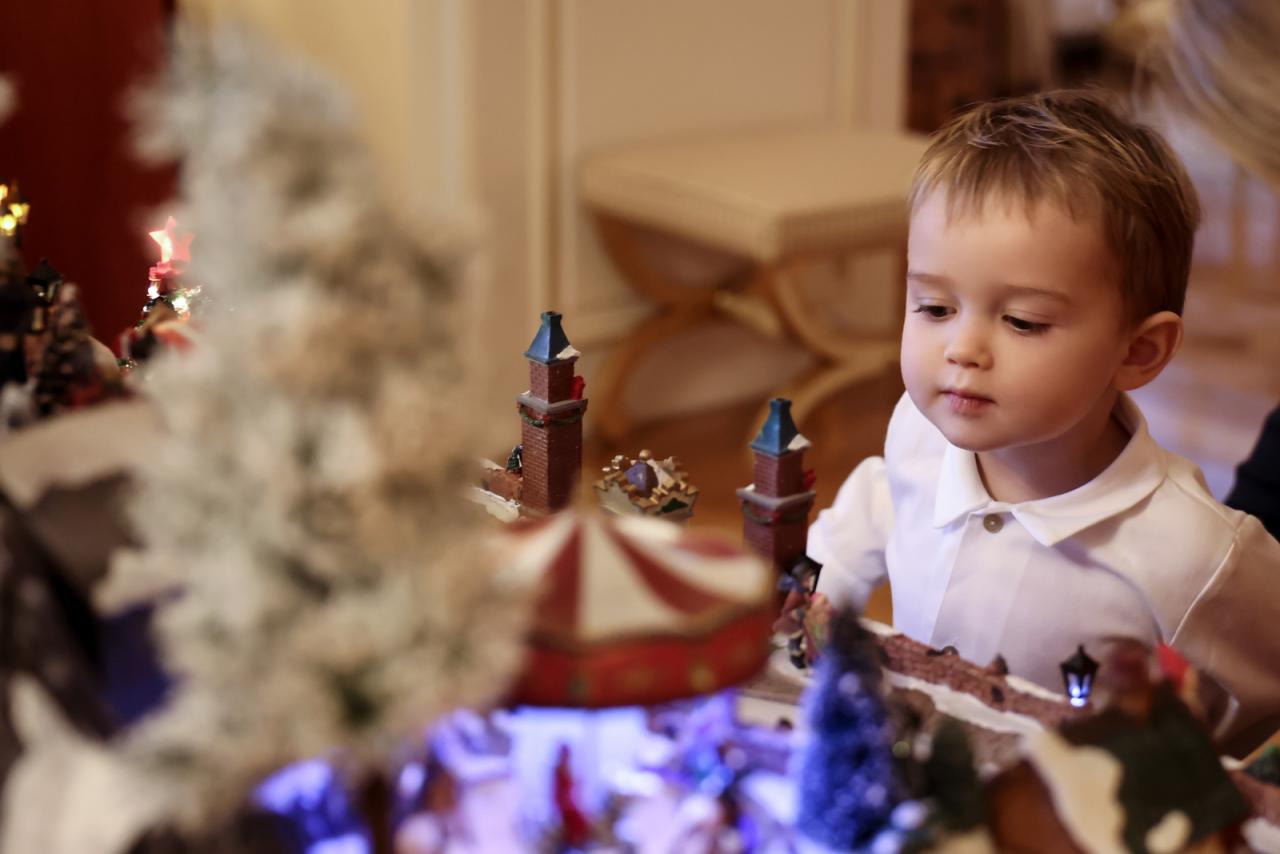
[552, 464]
[783, 543]
[553, 382]
[778, 476]
[504, 484]
[903, 655]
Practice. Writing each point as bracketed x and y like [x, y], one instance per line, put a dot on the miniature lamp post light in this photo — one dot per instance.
[1077, 675]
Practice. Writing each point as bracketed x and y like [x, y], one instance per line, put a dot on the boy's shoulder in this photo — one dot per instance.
[1182, 509]
[1173, 543]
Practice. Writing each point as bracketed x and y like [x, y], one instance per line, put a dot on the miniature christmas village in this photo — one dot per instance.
[926, 750]
[906, 747]
[541, 474]
[50, 362]
[575, 679]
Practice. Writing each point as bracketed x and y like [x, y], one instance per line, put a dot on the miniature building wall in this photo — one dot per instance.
[775, 508]
[551, 382]
[552, 463]
[782, 542]
[551, 429]
[779, 476]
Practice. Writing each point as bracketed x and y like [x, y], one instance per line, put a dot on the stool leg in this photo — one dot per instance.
[783, 287]
[683, 278]
[845, 361]
[825, 381]
[670, 270]
[610, 413]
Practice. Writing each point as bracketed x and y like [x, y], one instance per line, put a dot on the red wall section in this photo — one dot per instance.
[68, 146]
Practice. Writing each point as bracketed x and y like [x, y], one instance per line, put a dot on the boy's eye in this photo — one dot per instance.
[933, 312]
[1026, 327]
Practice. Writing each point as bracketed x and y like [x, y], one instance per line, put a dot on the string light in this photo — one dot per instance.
[13, 210]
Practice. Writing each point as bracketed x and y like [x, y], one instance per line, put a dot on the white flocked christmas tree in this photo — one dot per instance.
[305, 505]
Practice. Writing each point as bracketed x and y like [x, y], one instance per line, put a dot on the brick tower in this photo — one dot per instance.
[775, 507]
[551, 412]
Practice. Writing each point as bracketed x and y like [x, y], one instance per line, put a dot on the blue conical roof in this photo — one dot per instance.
[550, 340]
[778, 430]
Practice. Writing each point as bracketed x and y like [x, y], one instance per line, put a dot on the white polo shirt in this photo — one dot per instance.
[1142, 551]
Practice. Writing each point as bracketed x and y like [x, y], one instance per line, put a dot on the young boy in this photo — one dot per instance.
[1021, 507]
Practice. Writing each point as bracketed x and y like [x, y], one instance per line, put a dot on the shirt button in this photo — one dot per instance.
[992, 522]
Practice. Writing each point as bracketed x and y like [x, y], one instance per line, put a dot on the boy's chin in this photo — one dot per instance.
[975, 440]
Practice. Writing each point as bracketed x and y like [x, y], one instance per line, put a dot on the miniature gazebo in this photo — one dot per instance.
[637, 611]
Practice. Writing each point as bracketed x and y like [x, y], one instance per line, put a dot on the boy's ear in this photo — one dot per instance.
[1151, 345]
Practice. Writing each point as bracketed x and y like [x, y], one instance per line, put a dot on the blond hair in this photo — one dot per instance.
[1222, 59]
[1072, 148]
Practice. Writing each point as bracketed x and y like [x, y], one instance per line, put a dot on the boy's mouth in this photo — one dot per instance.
[963, 402]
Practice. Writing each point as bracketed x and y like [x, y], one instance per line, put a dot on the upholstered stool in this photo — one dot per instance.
[718, 226]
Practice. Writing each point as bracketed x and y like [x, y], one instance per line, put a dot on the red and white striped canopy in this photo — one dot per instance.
[637, 610]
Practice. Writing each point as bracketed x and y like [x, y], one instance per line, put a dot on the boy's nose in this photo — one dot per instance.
[966, 350]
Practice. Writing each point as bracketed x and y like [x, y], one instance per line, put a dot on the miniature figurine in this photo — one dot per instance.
[575, 830]
[436, 821]
[646, 487]
[798, 585]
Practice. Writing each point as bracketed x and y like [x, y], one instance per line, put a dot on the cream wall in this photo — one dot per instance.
[487, 107]
[408, 99]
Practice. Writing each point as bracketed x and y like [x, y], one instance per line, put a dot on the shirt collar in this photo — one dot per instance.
[1131, 477]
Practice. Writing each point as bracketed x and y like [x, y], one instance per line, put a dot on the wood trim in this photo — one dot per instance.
[872, 71]
[543, 96]
[845, 65]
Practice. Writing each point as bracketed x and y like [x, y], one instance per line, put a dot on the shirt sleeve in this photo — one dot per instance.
[1232, 633]
[849, 537]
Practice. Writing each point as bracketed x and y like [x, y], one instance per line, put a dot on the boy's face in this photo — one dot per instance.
[1014, 324]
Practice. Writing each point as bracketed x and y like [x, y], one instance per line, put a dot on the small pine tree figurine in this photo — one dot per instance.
[849, 779]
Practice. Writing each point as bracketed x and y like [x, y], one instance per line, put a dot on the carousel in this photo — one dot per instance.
[636, 611]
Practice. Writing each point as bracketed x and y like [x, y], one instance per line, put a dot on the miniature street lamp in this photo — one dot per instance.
[1077, 674]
